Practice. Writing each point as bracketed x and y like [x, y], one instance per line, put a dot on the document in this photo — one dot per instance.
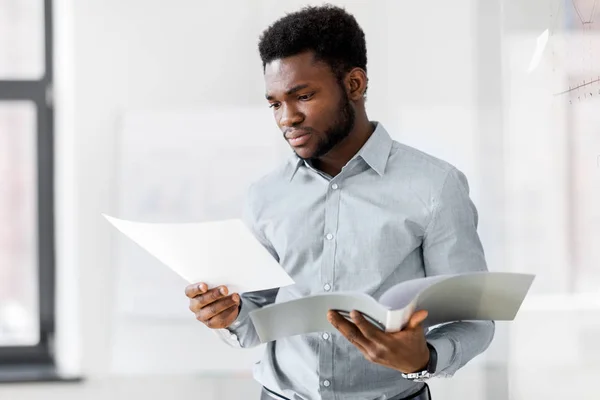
[470, 296]
[216, 253]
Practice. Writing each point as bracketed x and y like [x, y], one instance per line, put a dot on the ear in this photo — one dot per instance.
[356, 84]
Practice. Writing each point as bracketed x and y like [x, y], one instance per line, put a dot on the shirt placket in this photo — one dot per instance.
[328, 284]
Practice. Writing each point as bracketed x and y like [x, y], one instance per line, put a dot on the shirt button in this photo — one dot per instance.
[326, 336]
[335, 186]
[327, 287]
[329, 236]
[326, 383]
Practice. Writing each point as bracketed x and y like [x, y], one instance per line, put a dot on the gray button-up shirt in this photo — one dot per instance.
[393, 213]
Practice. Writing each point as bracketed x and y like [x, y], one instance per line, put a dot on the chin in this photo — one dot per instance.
[304, 153]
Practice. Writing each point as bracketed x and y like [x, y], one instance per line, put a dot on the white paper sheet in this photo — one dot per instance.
[216, 253]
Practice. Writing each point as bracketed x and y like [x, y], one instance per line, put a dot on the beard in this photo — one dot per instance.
[339, 130]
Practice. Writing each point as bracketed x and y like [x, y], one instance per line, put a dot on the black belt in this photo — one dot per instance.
[422, 394]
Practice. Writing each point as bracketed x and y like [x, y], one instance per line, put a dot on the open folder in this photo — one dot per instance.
[216, 253]
[469, 296]
[227, 253]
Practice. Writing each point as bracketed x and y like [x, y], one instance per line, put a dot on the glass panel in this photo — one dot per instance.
[584, 135]
[583, 15]
[552, 120]
[21, 39]
[552, 100]
[19, 315]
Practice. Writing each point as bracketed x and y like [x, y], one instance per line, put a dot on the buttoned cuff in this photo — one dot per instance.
[230, 335]
[447, 350]
[229, 338]
[243, 314]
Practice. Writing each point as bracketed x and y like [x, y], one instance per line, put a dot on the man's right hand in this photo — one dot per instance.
[214, 308]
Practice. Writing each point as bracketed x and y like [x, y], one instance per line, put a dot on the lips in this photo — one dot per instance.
[296, 134]
[300, 140]
[297, 137]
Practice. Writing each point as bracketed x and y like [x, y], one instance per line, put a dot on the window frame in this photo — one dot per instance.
[24, 363]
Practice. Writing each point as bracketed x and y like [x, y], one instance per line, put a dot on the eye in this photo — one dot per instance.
[305, 97]
[274, 105]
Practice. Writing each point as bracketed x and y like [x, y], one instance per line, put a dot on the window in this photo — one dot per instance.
[26, 191]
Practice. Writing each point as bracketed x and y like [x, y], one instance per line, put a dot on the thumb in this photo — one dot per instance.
[416, 319]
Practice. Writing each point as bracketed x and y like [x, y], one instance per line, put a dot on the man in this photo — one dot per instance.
[352, 210]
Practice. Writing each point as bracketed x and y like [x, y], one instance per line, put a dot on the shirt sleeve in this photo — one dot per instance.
[242, 333]
[451, 245]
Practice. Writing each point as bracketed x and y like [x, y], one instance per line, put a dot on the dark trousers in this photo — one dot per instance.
[422, 394]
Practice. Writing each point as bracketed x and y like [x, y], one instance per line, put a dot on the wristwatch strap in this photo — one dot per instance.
[428, 372]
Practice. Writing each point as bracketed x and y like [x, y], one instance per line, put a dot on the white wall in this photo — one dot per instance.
[68, 271]
[149, 54]
[141, 54]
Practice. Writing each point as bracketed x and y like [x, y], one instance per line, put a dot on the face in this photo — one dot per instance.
[310, 105]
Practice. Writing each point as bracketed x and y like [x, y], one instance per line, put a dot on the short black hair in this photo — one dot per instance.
[329, 31]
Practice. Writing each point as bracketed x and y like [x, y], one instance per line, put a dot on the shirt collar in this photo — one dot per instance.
[296, 163]
[375, 152]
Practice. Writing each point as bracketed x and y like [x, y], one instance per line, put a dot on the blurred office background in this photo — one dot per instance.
[154, 111]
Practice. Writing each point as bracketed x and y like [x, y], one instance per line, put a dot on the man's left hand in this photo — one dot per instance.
[405, 351]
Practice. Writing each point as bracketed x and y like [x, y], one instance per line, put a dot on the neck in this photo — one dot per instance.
[333, 162]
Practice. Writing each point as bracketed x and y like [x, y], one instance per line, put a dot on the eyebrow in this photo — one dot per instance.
[293, 90]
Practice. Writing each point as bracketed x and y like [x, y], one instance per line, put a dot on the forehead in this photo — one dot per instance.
[284, 73]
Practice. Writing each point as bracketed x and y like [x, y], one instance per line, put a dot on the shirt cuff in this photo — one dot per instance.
[447, 351]
[242, 315]
[228, 337]
[229, 334]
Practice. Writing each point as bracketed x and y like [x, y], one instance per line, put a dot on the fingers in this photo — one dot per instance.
[208, 311]
[210, 296]
[223, 319]
[213, 307]
[417, 319]
[196, 289]
[368, 330]
[348, 330]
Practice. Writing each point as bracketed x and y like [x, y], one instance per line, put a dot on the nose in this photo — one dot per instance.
[290, 116]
